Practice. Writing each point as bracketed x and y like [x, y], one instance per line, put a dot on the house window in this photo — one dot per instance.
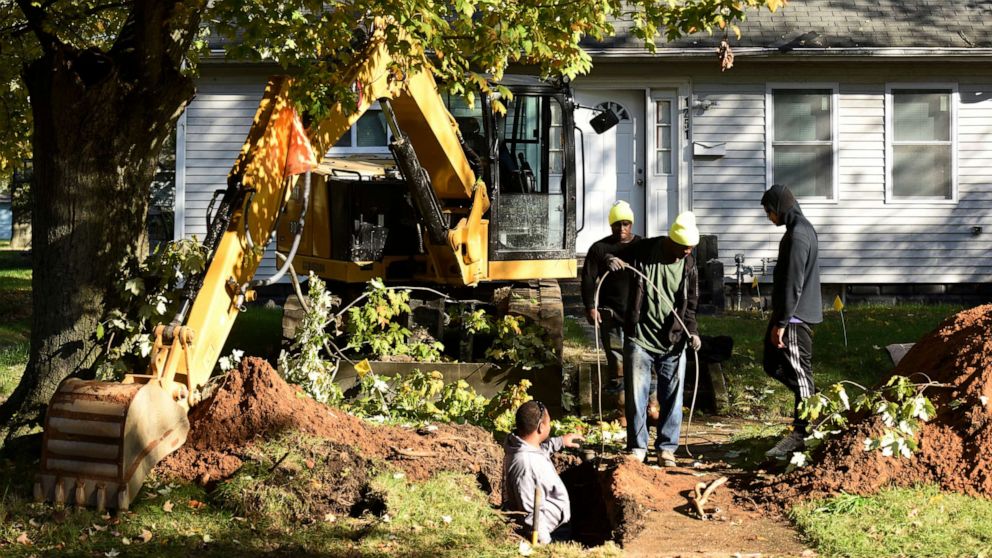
[920, 155]
[663, 137]
[368, 135]
[803, 141]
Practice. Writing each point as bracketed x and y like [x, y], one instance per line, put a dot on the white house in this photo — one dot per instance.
[877, 114]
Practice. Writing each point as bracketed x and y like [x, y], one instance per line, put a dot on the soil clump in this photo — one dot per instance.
[955, 447]
[254, 403]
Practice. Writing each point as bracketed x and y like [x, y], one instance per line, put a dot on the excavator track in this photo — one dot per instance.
[541, 302]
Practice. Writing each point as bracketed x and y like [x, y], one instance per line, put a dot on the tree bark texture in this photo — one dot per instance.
[100, 121]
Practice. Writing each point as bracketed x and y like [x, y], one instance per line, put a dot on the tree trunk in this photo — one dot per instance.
[100, 121]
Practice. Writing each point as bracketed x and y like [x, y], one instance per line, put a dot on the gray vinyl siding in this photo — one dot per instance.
[863, 238]
[6, 220]
[217, 122]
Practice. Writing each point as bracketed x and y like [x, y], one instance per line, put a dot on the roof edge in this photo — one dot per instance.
[757, 53]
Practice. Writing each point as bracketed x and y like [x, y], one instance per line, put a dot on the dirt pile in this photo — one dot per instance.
[254, 403]
[955, 447]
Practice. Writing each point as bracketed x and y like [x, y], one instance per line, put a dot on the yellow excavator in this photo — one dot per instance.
[478, 197]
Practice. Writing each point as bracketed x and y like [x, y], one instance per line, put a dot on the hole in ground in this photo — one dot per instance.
[588, 490]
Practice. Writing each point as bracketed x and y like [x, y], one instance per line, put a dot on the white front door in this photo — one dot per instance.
[664, 160]
[614, 162]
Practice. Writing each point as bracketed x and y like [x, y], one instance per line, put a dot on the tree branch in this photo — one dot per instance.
[36, 16]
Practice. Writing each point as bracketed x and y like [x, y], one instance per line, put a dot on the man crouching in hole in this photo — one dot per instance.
[527, 465]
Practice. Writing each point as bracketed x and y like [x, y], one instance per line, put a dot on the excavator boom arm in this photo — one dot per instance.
[101, 439]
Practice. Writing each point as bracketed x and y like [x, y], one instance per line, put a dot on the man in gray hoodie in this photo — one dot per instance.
[527, 465]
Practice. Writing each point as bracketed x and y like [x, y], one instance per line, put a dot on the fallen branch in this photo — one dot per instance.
[702, 495]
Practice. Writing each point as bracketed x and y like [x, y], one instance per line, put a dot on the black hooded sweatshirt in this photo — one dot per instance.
[796, 291]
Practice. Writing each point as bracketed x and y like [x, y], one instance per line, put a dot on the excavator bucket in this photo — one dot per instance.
[102, 438]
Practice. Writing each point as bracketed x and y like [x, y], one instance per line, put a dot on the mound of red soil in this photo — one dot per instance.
[955, 447]
[254, 403]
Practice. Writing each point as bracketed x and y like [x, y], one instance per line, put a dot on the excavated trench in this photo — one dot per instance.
[598, 514]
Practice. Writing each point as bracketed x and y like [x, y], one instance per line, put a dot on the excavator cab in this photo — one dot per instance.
[533, 213]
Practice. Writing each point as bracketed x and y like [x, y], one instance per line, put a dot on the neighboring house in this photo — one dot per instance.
[876, 114]
[6, 218]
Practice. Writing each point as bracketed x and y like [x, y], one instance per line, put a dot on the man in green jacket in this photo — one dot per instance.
[660, 323]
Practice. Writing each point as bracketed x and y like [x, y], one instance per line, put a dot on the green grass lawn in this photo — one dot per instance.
[906, 522]
[921, 522]
[15, 316]
[864, 359]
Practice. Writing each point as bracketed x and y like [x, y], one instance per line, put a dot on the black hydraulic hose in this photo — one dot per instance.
[296, 239]
[215, 232]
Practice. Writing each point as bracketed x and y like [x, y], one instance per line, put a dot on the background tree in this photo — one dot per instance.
[106, 81]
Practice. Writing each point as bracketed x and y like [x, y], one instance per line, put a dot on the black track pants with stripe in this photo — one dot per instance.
[793, 364]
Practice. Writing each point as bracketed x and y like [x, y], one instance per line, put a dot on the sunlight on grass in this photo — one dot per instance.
[920, 522]
[12, 362]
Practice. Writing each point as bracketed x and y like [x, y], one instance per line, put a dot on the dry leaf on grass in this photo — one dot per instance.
[167, 506]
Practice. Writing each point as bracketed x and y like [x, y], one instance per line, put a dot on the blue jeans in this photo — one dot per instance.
[639, 366]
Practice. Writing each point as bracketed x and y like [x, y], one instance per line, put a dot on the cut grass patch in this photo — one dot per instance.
[921, 522]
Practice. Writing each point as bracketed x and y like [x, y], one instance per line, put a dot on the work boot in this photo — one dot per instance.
[639, 454]
[792, 442]
[666, 458]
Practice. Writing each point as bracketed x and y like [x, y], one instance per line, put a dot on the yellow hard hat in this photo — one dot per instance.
[621, 211]
[684, 229]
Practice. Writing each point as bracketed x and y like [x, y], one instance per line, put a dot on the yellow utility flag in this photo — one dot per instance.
[838, 304]
[754, 282]
[362, 368]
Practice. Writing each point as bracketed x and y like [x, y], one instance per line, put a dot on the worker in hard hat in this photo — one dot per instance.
[656, 339]
[527, 465]
[613, 296]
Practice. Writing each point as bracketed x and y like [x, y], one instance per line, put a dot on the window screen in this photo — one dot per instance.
[802, 141]
[922, 164]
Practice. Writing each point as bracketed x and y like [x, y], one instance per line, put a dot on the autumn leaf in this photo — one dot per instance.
[23, 539]
[196, 504]
[146, 535]
[167, 506]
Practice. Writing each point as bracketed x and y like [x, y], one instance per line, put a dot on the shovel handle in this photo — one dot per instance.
[537, 514]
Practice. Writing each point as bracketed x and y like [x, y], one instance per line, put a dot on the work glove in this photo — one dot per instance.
[615, 263]
[695, 342]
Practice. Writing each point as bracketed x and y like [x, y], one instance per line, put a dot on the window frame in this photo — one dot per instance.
[352, 132]
[952, 87]
[834, 88]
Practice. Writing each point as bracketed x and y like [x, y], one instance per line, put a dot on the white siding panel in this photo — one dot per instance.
[218, 120]
[862, 239]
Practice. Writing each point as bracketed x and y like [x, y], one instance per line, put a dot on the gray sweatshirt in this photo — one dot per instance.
[526, 466]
